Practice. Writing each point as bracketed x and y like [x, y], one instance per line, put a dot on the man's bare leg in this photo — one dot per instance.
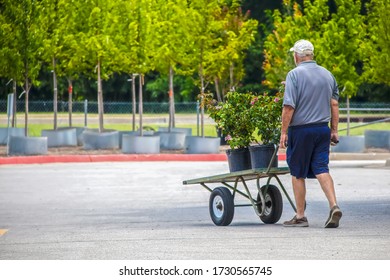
[299, 188]
[335, 213]
[327, 186]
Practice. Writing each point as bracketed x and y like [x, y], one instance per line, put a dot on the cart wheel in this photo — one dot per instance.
[221, 206]
[273, 205]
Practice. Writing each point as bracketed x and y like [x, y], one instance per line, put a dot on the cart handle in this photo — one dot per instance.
[272, 159]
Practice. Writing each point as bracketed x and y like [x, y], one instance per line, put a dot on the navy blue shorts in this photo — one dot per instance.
[308, 150]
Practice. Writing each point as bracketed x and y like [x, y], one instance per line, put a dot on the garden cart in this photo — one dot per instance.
[268, 203]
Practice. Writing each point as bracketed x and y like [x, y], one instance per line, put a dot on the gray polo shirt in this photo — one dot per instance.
[309, 89]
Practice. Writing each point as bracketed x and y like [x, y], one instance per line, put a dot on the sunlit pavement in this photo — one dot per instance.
[141, 210]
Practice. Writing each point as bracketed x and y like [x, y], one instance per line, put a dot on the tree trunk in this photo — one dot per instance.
[26, 108]
[348, 116]
[201, 100]
[140, 104]
[26, 92]
[55, 94]
[100, 99]
[217, 90]
[14, 109]
[70, 101]
[171, 101]
[232, 77]
[134, 108]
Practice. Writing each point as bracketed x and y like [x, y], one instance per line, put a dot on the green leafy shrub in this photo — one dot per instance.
[245, 117]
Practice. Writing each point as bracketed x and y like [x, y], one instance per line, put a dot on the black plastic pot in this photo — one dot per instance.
[239, 159]
[261, 156]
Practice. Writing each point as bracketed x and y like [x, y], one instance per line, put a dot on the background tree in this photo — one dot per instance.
[141, 44]
[97, 45]
[59, 46]
[206, 38]
[145, 40]
[260, 11]
[68, 64]
[339, 48]
[173, 44]
[224, 66]
[25, 48]
[288, 28]
[337, 38]
[294, 18]
[10, 56]
[377, 48]
[126, 18]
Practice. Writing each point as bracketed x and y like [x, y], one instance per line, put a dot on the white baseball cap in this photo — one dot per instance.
[303, 47]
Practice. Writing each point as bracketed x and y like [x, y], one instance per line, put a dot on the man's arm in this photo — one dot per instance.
[287, 114]
[334, 121]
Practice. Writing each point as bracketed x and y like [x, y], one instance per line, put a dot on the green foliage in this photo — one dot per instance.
[21, 41]
[233, 117]
[339, 49]
[277, 60]
[266, 112]
[95, 38]
[134, 36]
[242, 116]
[157, 86]
[200, 38]
[291, 25]
[205, 34]
[222, 33]
[225, 61]
[173, 37]
[377, 50]
[336, 38]
[11, 61]
[126, 36]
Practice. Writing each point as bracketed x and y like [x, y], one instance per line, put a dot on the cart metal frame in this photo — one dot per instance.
[232, 181]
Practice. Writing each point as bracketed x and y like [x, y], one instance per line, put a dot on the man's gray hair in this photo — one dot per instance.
[305, 54]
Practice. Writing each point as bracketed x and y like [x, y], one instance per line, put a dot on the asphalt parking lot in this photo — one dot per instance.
[141, 210]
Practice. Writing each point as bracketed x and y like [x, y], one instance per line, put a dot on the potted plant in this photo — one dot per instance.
[251, 124]
[265, 114]
[233, 118]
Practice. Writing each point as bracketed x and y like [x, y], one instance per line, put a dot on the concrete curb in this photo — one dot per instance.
[42, 159]
[107, 158]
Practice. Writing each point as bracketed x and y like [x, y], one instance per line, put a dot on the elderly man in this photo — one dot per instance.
[310, 104]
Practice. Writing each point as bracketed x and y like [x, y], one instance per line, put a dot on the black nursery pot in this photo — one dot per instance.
[239, 159]
[261, 155]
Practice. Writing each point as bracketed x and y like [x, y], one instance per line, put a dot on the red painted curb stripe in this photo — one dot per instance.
[113, 158]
